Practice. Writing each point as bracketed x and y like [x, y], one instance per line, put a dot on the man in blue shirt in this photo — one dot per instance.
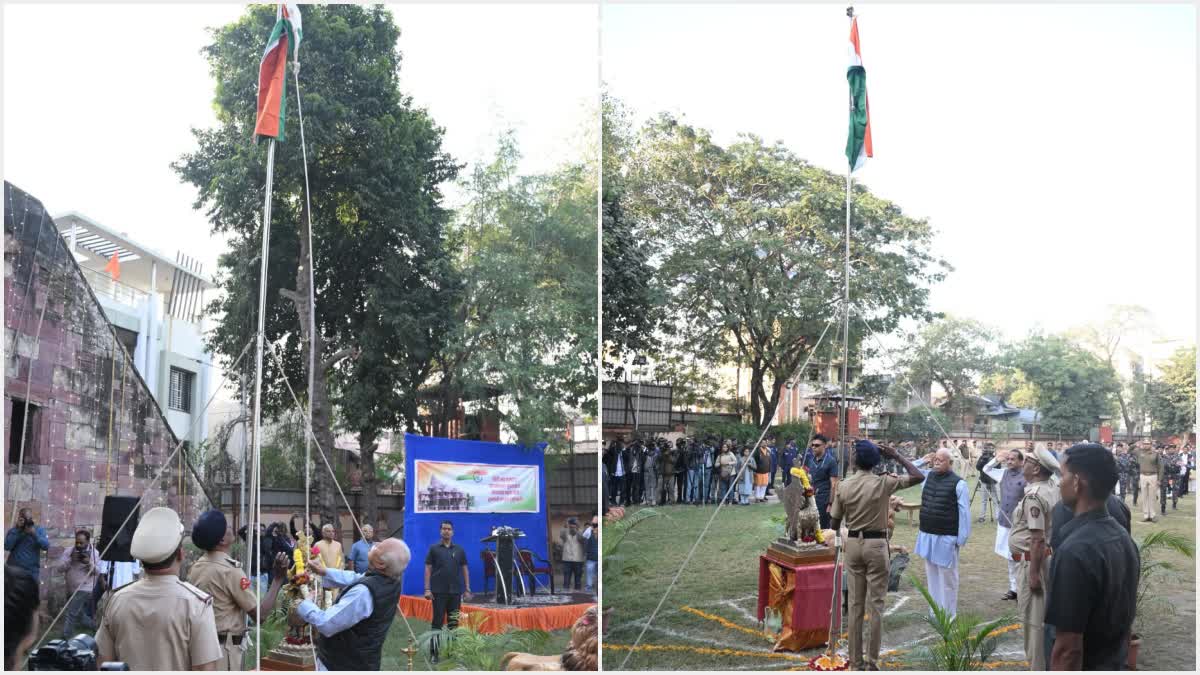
[822, 470]
[360, 550]
[26, 542]
[353, 630]
[786, 459]
[945, 526]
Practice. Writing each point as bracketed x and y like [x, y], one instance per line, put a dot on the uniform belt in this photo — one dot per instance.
[868, 534]
[1018, 557]
[235, 638]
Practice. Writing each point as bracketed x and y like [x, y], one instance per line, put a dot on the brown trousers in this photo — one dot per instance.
[1033, 612]
[867, 580]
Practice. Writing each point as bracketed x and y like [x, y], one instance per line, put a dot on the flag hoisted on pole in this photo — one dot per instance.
[858, 145]
[269, 118]
[272, 79]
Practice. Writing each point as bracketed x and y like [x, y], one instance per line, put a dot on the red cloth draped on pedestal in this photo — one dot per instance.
[801, 595]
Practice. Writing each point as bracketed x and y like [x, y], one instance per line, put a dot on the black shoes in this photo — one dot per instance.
[1009, 596]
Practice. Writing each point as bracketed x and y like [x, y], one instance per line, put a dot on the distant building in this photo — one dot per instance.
[156, 307]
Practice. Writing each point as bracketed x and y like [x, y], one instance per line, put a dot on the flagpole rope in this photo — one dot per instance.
[155, 481]
[696, 545]
[321, 453]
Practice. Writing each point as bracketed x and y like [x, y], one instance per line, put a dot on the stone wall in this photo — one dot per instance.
[97, 431]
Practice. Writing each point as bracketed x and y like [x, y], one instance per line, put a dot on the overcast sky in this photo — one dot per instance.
[1053, 148]
[99, 99]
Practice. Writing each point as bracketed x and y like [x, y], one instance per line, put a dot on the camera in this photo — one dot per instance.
[78, 653]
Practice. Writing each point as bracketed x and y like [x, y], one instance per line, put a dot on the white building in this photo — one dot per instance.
[156, 305]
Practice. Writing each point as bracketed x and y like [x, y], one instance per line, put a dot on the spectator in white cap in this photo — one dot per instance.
[160, 622]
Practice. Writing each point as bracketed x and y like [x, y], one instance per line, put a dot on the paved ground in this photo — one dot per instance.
[708, 621]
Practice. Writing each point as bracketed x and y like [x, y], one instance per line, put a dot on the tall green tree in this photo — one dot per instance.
[954, 353]
[1073, 385]
[1173, 393]
[381, 268]
[751, 240]
[632, 302]
[1105, 339]
[524, 342]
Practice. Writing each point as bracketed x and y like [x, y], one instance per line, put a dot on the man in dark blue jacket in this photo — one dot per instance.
[25, 544]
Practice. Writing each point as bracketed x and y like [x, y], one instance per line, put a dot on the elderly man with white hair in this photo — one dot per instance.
[352, 630]
[945, 526]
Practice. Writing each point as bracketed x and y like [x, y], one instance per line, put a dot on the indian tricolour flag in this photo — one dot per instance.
[272, 72]
[858, 144]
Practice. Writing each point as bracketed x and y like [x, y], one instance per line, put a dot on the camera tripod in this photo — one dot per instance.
[991, 493]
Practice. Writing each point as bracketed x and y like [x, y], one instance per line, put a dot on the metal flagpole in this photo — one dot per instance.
[252, 534]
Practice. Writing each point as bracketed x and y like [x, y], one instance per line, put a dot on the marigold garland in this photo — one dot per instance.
[707, 651]
[728, 624]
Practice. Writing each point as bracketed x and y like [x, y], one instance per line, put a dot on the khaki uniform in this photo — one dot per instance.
[1033, 513]
[159, 623]
[222, 577]
[1149, 465]
[861, 503]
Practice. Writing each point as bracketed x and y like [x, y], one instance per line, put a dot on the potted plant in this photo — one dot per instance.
[966, 641]
[1150, 573]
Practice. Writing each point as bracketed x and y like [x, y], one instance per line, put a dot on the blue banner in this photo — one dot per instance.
[422, 529]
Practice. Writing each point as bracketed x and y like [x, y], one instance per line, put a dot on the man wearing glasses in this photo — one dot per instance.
[822, 470]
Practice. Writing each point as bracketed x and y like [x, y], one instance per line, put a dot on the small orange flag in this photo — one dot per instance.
[114, 267]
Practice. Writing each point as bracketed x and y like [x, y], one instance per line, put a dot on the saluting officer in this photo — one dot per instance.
[1029, 543]
[222, 577]
[160, 622]
[1150, 466]
[862, 502]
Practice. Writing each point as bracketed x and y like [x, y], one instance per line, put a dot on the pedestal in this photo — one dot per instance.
[805, 590]
[505, 553]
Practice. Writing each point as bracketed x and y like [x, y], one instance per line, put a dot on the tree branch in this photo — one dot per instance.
[340, 354]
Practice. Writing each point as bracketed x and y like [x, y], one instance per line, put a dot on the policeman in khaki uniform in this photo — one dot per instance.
[223, 578]
[861, 502]
[1029, 543]
[160, 622]
[1150, 468]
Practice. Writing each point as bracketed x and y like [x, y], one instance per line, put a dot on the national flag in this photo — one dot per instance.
[272, 72]
[858, 144]
[114, 267]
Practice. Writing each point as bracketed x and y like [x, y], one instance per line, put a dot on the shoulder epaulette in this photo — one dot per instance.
[201, 595]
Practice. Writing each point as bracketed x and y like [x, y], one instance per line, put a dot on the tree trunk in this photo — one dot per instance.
[1125, 416]
[367, 447]
[322, 411]
[756, 379]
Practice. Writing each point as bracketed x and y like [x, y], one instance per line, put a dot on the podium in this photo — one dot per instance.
[801, 591]
[505, 555]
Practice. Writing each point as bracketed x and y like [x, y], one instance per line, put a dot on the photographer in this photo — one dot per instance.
[987, 484]
[20, 615]
[574, 553]
[25, 544]
[80, 564]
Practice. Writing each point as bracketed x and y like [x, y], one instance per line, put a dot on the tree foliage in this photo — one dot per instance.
[954, 353]
[1173, 393]
[632, 301]
[383, 279]
[1073, 385]
[751, 240]
[524, 345]
[1104, 339]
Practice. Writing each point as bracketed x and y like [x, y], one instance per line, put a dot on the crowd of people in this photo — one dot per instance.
[1063, 524]
[709, 470]
[164, 622]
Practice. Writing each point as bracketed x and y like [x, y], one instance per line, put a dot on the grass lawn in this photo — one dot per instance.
[712, 607]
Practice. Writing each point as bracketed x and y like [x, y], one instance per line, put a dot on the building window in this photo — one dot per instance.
[27, 419]
[181, 390]
[127, 338]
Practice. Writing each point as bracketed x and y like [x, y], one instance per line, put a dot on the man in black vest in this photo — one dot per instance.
[352, 631]
[945, 526]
